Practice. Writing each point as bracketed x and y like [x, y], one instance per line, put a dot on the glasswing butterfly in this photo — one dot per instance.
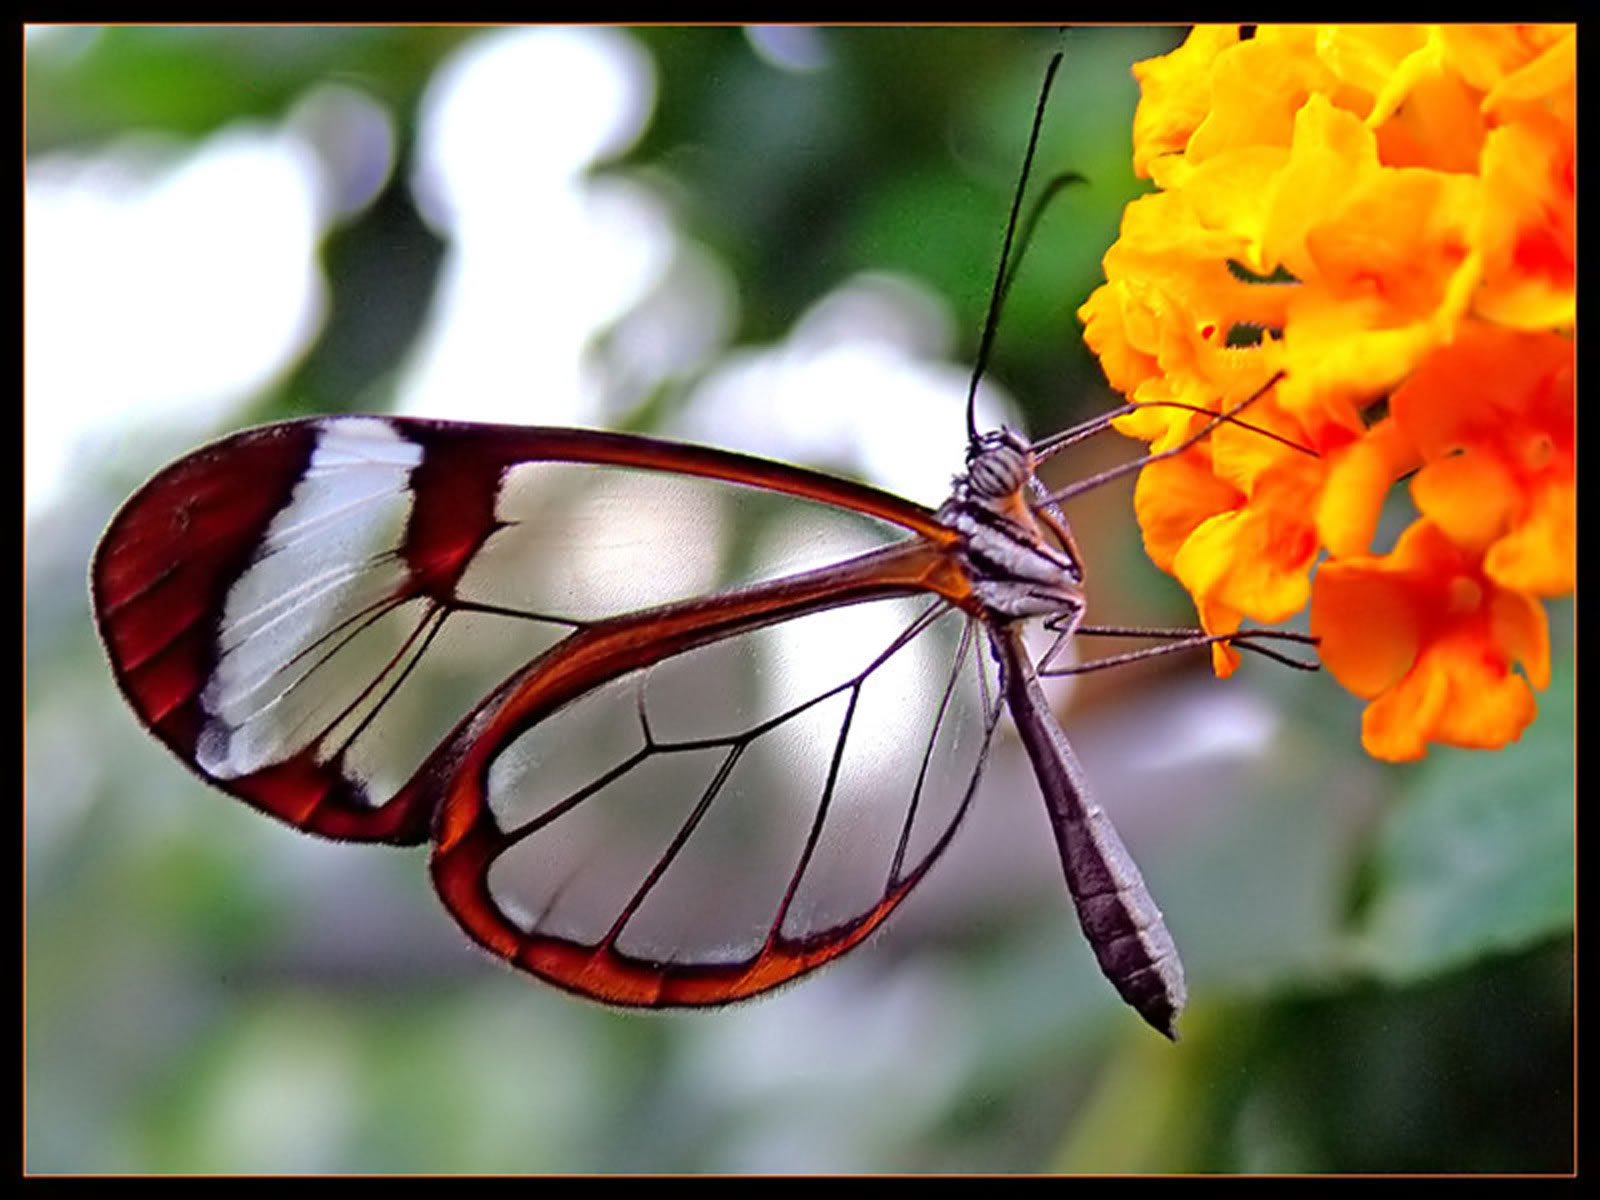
[679, 724]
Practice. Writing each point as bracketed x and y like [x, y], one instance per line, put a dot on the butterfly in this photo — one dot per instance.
[678, 724]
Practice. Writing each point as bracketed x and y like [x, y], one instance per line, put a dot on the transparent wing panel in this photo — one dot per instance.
[776, 787]
[584, 542]
[338, 647]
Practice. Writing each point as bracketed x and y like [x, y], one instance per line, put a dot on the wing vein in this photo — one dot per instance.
[927, 756]
[679, 840]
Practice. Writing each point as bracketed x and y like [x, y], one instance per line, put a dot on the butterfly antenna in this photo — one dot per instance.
[1029, 227]
[1219, 418]
[1049, 447]
[997, 296]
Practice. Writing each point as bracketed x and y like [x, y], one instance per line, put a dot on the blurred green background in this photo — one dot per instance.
[1379, 958]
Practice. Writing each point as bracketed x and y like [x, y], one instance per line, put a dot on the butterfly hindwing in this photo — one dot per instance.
[721, 820]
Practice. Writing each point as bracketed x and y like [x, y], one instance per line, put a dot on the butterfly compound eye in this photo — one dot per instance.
[998, 471]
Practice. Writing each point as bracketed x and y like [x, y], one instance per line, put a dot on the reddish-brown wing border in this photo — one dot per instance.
[468, 838]
[163, 569]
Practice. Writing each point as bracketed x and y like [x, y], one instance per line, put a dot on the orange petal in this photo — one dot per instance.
[1540, 555]
[1555, 69]
[1425, 114]
[1248, 460]
[1368, 626]
[1252, 560]
[1519, 627]
[1219, 618]
[1106, 332]
[1488, 704]
[1399, 237]
[1224, 659]
[1395, 726]
[1172, 498]
[1470, 496]
[1470, 389]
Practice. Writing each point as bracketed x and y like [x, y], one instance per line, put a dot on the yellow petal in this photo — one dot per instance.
[1554, 69]
[1528, 229]
[1331, 153]
[1379, 60]
[1486, 54]
[1175, 93]
[1358, 481]
[1257, 88]
[1106, 333]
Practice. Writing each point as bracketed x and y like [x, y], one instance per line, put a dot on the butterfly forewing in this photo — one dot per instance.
[303, 612]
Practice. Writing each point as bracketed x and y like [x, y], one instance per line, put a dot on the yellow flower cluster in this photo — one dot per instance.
[1387, 217]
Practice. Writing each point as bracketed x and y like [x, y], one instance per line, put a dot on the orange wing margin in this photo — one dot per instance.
[468, 839]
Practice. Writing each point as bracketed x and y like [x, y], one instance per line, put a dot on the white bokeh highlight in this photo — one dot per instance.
[162, 284]
[540, 257]
[863, 384]
[166, 284]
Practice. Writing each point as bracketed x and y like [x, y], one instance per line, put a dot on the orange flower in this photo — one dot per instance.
[1232, 518]
[1493, 417]
[1368, 214]
[1430, 638]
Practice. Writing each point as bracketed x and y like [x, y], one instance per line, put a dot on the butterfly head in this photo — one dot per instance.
[999, 464]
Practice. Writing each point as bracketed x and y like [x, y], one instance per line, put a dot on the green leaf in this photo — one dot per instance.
[1478, 858]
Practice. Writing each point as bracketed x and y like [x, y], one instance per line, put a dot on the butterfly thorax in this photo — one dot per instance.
[1014, 569]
